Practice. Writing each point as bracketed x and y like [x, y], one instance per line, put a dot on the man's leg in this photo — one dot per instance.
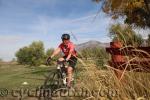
[69, 75]
[70, 70]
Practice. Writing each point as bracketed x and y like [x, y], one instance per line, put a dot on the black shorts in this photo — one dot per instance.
[72, 61]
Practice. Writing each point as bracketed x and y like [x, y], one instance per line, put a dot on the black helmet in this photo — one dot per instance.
[65, 37]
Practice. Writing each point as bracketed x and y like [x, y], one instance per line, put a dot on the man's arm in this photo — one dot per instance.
[68, 57]
[56, 51]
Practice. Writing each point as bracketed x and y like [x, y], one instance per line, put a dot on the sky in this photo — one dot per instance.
[25, 21]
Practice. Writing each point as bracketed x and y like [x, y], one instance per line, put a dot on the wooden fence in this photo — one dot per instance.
[129, 58]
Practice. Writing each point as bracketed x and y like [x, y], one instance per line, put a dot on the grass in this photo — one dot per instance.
[99, 84]
[134, 86]
[13, 75]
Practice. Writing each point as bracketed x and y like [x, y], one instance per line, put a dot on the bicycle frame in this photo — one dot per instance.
[62, 69]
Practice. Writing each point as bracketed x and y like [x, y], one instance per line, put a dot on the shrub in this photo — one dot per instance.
[31, 55]
[96, 54]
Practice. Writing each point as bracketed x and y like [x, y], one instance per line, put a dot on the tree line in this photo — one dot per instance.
[35, 54]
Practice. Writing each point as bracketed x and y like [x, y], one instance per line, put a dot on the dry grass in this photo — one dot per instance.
[135, 85]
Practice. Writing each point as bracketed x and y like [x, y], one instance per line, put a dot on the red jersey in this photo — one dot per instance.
[69, 47]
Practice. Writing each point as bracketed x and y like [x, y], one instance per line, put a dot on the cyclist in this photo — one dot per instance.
[70, 56]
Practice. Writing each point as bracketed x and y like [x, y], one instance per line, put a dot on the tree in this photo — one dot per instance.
[96, 54]
[135, 12]
[37, 51]
[32, 54]
[23, 55]
[126, 35]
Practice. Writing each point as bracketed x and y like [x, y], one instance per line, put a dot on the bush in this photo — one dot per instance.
[98, 55]
[31, 55]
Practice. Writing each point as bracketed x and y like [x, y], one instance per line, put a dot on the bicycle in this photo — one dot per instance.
[57, 80]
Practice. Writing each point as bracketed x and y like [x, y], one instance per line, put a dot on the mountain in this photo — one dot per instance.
[91, 44]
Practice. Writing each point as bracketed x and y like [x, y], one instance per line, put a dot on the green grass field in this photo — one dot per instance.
[12, 76]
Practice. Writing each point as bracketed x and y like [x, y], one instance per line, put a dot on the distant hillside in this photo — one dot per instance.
[91, 44]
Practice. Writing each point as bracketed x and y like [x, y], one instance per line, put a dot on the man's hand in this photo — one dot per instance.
[65, 61]
[48, 60]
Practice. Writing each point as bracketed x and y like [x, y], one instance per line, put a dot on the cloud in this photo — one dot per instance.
[84, 24]
[9, 39]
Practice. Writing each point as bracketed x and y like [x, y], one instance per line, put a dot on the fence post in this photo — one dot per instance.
[117, 58]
